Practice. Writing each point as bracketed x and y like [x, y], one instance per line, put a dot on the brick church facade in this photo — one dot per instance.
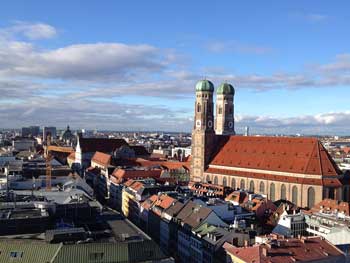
[296, 169]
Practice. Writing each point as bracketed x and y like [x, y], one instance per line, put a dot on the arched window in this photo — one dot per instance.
[216, 180]
[283, 192]
[272, 192]
[242, 184]
[199, 108]
[262, 187]
[233, 183]
[295, 195]
[208, 178]
[224, 181]
[251, 186]
[230, 110]
[310, 197]
[220, 110]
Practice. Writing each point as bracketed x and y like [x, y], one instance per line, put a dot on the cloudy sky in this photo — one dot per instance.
[134, 65]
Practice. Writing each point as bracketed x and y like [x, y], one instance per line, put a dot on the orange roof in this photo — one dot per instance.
[283, 154]
[101, 158]
[330, 205]
[148, 203]
[136, 186]
[288, 251]
[122, 174]
[164, 201]
[129, 182]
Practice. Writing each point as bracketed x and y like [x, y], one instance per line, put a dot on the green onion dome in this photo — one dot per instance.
[226, 89]
[205, 85]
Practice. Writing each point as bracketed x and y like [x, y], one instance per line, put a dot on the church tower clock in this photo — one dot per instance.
[203, 134]
[224, 120]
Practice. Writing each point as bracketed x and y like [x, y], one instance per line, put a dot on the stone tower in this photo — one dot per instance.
[203, 135]
[224, 120]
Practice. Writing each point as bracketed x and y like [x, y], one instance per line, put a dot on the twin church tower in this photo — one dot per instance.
[207, 130]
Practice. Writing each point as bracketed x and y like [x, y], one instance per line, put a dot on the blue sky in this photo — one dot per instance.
[133, 65]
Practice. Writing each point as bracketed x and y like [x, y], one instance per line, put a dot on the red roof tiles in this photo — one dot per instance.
[287, 251]
[101, 158]
[330, 205]
[283, 154]
[122, 175]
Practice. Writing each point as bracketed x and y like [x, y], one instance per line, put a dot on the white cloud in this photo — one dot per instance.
[32, 31]
[236, 47]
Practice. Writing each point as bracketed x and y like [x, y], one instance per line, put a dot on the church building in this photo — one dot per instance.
[292, 168]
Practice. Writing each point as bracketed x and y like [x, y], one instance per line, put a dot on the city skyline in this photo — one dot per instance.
[122, 66]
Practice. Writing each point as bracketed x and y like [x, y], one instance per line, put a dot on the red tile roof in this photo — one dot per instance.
[148, 203]
[288, 251]
[122, 175]
[283, 154]
[100, 144]
[101, 158]
[330, 205]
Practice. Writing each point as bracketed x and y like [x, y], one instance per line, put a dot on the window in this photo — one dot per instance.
[220, 110]
[224, 181]
[295, 195]
[272, 192]
[251, 186]
[310, 197]
[16, 254]
[199, 108]
[208, 178]
[233, 183]
[262, 187]
[215, 180]
[283, 192]
[96, 256]
[242, 184]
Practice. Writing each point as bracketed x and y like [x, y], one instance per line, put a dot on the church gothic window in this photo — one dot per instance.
[224, 181]
[220, 110]
[199, 108]
[208, 178]
[272, 192]
[262, 187]
[242, 184]
[216, 180]
[251, 186]
[233, 183]
[283, 192]
[295, 195]
[310, 197]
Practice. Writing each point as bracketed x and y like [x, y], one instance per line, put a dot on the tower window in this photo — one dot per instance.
[220, 110]
[199, 108]
[230, 110]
